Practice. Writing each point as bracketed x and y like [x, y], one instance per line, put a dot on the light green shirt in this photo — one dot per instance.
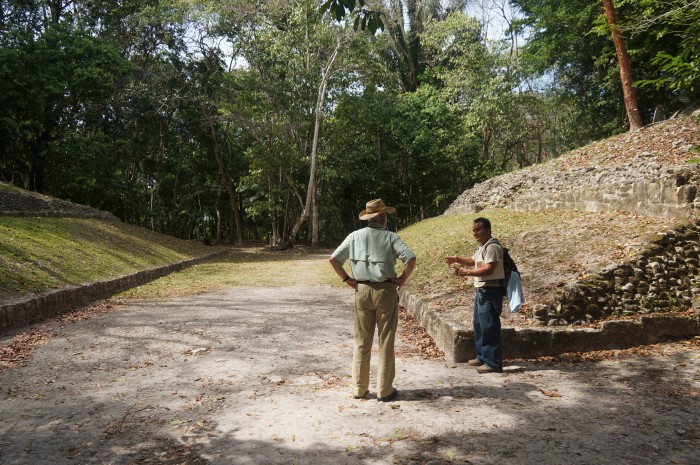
[373, 252]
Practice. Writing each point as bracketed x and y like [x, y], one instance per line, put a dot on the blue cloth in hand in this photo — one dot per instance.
[515, 292]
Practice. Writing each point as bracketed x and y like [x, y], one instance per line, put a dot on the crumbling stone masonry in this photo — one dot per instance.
[649, 188]
[661, 181]
[664, 277]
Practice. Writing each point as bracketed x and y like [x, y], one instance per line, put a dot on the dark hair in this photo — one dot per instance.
[485, 222]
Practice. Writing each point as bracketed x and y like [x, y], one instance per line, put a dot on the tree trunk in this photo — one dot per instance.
[218, 226]
[325, 75]
[625, 68]
[56, 7]
[314, 217]
[153, 192]
[226, 182]
[237, 215]
[36, 178]
[275, 224]
[539, 156]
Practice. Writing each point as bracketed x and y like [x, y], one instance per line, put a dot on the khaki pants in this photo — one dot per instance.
[376, 304]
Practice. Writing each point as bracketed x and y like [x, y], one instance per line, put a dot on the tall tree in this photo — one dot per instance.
[623, 58]
[405, 23]
[209, 79]
[295, 52]
[311, 204]
[678, 68]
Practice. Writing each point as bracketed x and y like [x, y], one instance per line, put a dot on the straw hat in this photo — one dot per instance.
[374, 208]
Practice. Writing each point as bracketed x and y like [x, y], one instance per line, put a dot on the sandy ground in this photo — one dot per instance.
[262, 376]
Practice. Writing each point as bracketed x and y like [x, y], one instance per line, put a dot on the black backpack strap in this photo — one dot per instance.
[490, 242]
[503, 283]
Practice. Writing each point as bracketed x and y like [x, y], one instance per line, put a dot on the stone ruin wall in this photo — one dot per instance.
[651, 189]
[665, 277]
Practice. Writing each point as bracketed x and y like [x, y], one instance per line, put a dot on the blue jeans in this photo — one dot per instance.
[488, 305]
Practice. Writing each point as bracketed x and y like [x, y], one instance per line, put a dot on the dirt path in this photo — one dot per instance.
[261, 376]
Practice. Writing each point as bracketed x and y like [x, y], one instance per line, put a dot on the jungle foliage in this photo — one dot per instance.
[237, 120]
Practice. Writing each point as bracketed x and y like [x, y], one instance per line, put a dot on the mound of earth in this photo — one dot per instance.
[19, 202]
[670, 148]
[558, 248]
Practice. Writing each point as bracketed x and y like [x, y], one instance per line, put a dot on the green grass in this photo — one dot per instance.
[249, 266]
[41, 254]
[550, 247]
[434, 239]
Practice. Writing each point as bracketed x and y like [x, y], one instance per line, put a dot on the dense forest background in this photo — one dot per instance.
[277, 120]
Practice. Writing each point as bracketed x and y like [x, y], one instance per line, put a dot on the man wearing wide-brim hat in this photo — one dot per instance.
[373, 252]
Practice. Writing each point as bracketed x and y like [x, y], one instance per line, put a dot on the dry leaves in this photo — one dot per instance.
[22, 346]
[665, 349]
[417, 337]
[667, 142]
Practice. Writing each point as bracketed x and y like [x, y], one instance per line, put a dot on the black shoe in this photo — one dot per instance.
[362, 396]
[489, 369]
[393, 395]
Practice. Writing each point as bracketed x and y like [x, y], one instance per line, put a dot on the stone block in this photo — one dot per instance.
[660, 326]
[686, 194]
[524, 343]
[26, 312]
[574, 340]
[4, 313]
[619, 334]
[463, 347]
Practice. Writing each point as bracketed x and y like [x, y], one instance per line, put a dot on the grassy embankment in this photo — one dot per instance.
[41, 254]
[573, 248]
[37, 255]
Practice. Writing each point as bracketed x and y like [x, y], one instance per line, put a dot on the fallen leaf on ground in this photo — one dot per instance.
[549, 393]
